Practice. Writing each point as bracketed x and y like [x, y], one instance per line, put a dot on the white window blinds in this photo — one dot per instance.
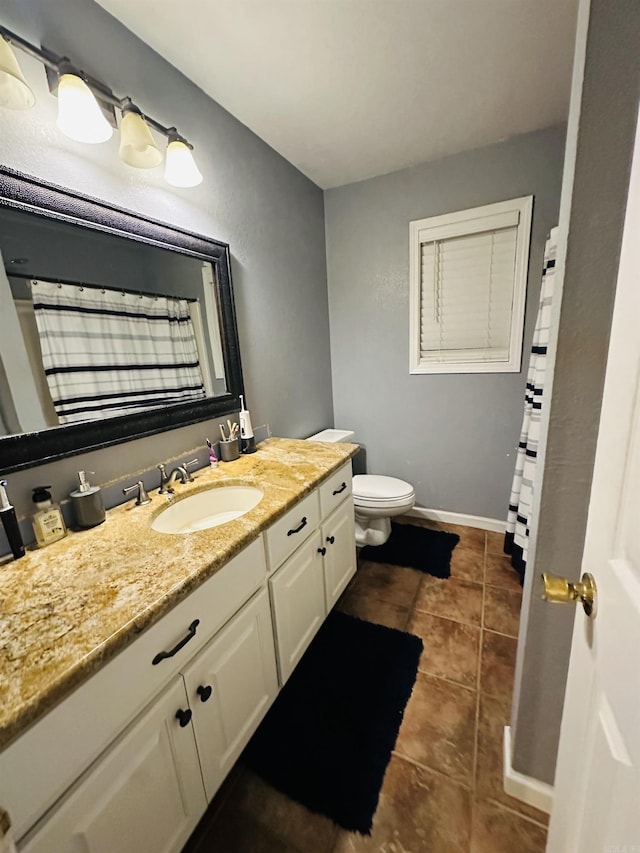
[468, 286]
[467, 295]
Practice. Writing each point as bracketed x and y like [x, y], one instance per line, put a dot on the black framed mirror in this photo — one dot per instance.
[58, 243]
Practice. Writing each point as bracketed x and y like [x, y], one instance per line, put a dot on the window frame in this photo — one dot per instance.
[467, 222]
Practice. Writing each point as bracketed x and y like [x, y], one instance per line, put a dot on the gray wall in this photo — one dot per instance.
[270, 214]
[452, 436]
[603, 142]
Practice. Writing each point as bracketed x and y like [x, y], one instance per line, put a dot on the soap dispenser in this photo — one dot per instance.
[48, 523]
[87, 504]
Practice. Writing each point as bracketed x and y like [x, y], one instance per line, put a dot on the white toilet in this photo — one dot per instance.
[375, 498]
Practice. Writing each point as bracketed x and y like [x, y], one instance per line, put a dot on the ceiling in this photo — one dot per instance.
[349, 89]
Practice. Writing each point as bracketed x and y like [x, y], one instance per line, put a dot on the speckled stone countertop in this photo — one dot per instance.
[67, 609]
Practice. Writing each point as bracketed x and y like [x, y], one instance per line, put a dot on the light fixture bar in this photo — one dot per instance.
[102, 93]
[46, 57]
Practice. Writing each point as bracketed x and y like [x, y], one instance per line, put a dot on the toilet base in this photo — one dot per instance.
[372, 531]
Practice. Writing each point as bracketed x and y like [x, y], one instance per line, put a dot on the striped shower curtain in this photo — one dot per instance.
[525, 479]
[111, 352]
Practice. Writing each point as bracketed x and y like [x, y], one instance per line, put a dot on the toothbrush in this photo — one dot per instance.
[224, 438]
[213, 459]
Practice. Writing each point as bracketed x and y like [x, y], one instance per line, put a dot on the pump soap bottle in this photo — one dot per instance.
[48, 523]
[87, 503]
[10, 523]
[246, 430]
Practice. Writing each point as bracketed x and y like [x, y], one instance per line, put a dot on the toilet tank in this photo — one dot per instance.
[332, 435]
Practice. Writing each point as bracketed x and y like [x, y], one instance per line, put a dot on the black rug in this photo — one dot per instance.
[417, 547]
[327, 740]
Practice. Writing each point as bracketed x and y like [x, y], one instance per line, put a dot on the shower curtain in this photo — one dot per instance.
[525, 477]
[112, 352]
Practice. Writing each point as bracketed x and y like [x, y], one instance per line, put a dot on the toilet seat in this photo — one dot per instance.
[374, 490]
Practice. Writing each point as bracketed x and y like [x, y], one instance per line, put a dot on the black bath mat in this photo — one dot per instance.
[327, 740]
[417, 547]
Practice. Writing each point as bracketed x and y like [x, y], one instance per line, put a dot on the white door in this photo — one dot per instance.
[299, 608]
[597, 788]
[339, 540]
[231, 685]
[145, 795]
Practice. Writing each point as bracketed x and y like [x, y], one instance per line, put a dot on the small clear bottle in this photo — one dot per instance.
[48, 523]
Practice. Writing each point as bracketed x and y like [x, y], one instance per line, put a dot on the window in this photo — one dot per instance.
[468, 273]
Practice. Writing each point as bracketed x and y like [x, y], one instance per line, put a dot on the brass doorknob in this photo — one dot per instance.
[561, 591]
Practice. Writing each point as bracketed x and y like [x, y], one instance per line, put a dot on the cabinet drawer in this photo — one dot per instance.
[292, 529]
[334, 490]
[37, 768]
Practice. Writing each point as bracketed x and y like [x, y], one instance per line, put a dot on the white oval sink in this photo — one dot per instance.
[207, 509]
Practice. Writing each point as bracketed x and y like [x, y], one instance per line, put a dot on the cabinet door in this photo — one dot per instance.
[144, 795]
[339, 538]
[231, 685]
[298, 601]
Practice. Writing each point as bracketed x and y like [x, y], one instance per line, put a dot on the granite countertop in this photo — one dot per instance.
[68, 608]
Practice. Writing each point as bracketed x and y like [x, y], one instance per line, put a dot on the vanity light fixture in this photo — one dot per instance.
[86, 112]
[180, 168]
[137, 146]
[79, 114]
[15, 93]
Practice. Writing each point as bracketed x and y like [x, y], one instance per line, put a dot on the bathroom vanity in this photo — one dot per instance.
[135, 665]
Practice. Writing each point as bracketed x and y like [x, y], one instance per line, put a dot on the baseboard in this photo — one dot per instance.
[525, 788]
[494, 524]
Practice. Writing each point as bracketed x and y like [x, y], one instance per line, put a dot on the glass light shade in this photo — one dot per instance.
[79, 116]
[14, 90]
[137, 147]
[180, 169]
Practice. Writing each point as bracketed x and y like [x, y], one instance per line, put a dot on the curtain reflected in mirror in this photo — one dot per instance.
[100, 326]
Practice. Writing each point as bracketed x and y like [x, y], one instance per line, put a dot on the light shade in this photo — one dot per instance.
[79, 116]
[14, 91]
[137, 147]
[180, 169]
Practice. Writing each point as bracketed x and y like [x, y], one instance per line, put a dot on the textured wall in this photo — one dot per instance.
[452, 436]
[603, 141]
[270, 214]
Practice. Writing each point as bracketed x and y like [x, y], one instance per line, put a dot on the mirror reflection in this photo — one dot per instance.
[95, 326]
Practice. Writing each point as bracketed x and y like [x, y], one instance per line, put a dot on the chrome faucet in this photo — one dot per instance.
[141, 496]
[180, 472]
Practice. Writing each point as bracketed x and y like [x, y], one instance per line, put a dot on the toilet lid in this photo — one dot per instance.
[374, 487]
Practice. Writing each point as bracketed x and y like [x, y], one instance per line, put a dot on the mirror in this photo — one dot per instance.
[112, 326]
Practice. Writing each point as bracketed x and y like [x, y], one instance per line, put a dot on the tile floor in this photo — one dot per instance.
[442, 791]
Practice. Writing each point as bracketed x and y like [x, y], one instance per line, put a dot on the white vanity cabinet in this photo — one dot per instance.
[305, 586]
[145, 794]
[128, 762]
[298, 602]
[230, 686]
[339, 560]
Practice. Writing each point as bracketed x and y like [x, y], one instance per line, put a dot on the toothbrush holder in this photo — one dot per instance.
[230, 449]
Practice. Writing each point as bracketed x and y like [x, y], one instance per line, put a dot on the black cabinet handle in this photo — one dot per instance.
[331, 539]
[184, 717]
[341, 489]
[204, 692]
[183, 642]
[303, 523]
[322, 551]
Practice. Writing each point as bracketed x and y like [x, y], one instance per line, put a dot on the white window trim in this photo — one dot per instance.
[468, 222]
